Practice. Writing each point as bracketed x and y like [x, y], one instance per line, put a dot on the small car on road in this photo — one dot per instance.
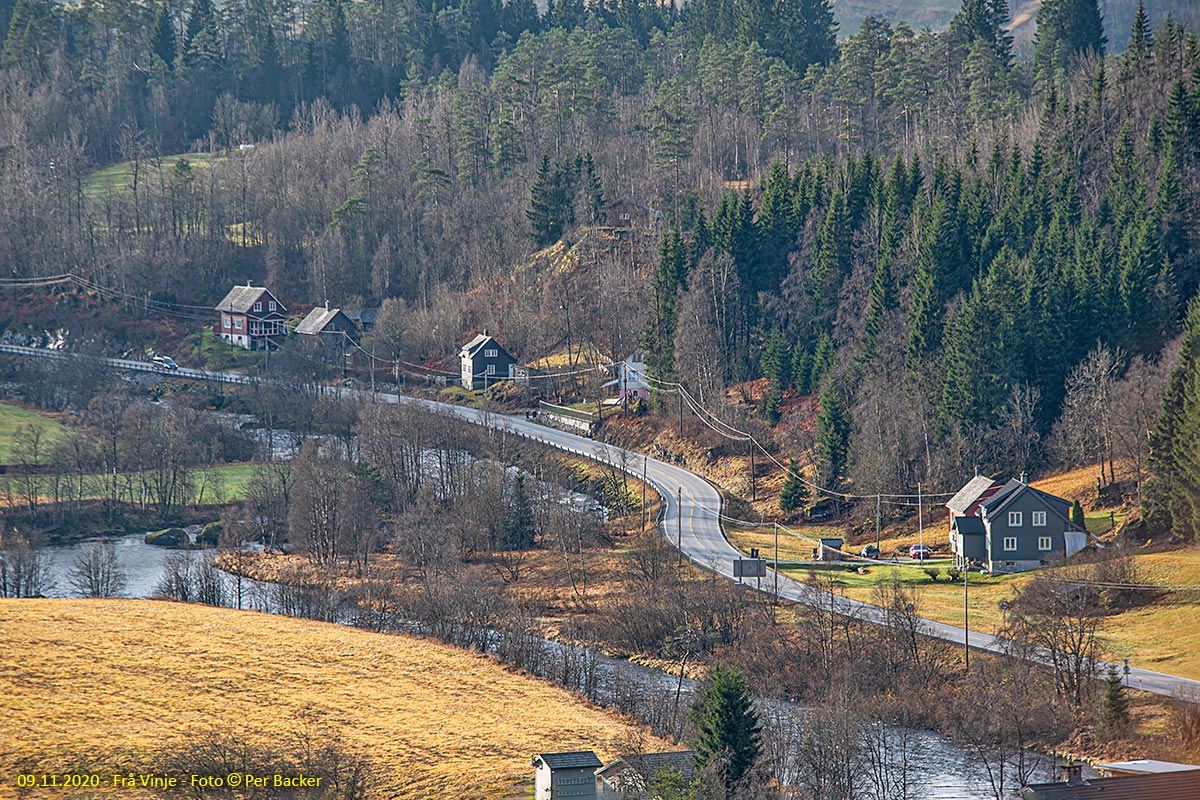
[869, 551]
[166, 362]
[919, 552]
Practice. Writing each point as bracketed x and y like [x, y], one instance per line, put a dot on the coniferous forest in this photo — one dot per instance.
[975, 257]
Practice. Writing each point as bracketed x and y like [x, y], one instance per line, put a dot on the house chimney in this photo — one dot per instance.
[1024, 477]
[1072, 774]
[327, 305]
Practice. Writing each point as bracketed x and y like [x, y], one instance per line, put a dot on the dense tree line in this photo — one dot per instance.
[926, 231]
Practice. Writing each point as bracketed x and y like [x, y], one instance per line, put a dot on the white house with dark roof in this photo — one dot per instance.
[1010, 527]
[250, 317]
[484, 361]
[565, 775]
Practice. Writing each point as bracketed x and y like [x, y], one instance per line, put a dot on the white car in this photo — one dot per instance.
[165, 361]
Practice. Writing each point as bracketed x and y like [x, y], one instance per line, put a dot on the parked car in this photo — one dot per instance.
[920, 552]
[166, 362]
[869, 551]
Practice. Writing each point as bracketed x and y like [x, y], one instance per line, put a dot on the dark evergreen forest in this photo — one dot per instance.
[975, 260]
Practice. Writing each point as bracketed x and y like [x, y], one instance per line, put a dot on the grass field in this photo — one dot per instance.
[225, 483]
[114, 683]
[13, 418]
[118, 178]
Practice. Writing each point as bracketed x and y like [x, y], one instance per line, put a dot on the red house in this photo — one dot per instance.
[251, 317]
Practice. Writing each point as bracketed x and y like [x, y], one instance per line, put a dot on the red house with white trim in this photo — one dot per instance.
[251, 317]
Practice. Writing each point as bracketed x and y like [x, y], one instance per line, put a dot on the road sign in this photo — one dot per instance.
[749, 568]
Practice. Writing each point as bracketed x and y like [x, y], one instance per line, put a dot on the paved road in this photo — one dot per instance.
[700, 535]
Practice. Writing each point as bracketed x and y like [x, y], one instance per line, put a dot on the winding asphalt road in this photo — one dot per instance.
[700, 535]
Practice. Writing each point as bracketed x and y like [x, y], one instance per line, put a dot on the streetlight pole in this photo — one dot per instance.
[776, 563]
[644, 509]
[921, 521]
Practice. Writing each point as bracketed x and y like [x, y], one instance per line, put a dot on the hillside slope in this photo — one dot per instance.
[115, 684]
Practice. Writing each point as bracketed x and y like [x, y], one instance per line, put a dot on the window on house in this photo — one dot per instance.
[1010, 543]
[258, 306]
[224, 322]
[491, 353]
[1039, 519]
[272, 305]
[624, 217]
[1045, 543]
[1014, 519]
[491, 369]
[237, 323]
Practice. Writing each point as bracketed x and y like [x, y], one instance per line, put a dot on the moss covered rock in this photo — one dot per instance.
[210, 534]
[168, 537]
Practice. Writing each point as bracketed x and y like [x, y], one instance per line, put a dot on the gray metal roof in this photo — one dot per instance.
[968, 494]
[1006, 492]
[650, 764]
[1146, 766]
[317, 319]
[241, 299]
[578, 759]
[1161, 786]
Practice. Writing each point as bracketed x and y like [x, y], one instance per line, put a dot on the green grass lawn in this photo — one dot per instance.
[211, 352]
[221, 484]
[13, 418]
[118, 178]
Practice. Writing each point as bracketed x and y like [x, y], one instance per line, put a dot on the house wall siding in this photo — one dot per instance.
[1026, 534]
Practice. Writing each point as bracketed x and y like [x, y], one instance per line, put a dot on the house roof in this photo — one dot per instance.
[1015, 488]
[967, 495]
[650, 764]
[968, 525]
[365, 317]
[1146, 766]
[241, 299]
[317, 319]
[472, 347]
[578, 759]
[1161, 786]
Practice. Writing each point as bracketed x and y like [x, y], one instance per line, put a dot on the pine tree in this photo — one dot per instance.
[164, 37]
[1066, 28]
[1115, 712]
[794, 493]
[1077, 517]
[726, 726]
[1141, 44]
[29, 34]
[831, 261]
[985, 20]
[543, 214]
[1175, 443]
[833, 436]
[202, 17]
[520, 526]
[776, 228]
[665, 287]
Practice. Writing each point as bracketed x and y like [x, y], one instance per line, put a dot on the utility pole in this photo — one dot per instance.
[776, 563]
[920, 521]
[878, 525]
[644, 509]
[966, 623]
[680, 390]
[679, 524]
[753, 494]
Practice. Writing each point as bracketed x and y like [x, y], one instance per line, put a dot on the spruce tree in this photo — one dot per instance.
[1172, 491]
[520, 525]
[833, 436]
[1077, 516]
[727, 731]
[794, 494]
[1066, 28]
[1115, 712]
[164, 37]
[543, 215]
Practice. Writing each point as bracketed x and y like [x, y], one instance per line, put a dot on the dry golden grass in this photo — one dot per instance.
[113, 682]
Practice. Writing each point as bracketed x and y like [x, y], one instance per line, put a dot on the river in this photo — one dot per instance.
[944, 770]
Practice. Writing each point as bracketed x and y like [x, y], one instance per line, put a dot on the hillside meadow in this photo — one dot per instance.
[117, 684]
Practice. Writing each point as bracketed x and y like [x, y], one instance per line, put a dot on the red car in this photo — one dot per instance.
[919, 552]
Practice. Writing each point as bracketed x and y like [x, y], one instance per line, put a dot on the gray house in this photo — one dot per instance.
[565, 775]
[484, 362]
[1009, 527]
[629, 777]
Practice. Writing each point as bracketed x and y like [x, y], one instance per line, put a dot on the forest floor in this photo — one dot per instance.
[107, 686]
[118, 178]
